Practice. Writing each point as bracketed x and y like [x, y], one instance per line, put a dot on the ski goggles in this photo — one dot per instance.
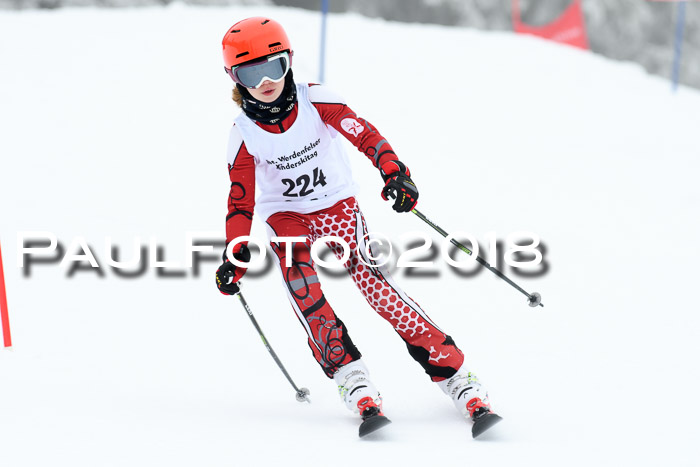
[271, 68]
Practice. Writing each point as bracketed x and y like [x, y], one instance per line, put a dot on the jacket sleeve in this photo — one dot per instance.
[241, 198]
[361, 133]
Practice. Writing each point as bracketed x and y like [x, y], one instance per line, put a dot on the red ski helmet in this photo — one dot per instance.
[253, 38]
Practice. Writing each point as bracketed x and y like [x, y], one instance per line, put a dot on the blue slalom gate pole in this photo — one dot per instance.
[322, 61]
[680, 25]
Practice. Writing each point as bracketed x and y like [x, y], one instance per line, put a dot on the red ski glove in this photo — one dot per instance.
[397, 181]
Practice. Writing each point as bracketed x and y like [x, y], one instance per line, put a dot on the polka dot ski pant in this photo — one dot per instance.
[329, 340]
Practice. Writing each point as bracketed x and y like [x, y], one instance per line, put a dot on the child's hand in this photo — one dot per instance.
[398, 185]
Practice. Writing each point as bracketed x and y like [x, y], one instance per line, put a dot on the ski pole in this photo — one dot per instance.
[533, 299]
[303, 393]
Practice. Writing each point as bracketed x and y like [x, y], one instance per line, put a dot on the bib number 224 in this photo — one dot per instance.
[304, 184]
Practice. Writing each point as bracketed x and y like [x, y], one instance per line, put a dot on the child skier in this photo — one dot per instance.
[286, 141]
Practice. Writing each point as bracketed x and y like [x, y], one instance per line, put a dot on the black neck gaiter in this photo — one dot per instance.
[272, 112]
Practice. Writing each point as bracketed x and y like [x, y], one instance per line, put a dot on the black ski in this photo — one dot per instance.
[372, 423]
[483, 420]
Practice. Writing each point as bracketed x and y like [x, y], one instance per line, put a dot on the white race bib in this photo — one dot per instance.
[304, 169]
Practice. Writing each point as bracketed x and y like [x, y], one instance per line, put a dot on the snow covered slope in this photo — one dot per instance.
[114, 123]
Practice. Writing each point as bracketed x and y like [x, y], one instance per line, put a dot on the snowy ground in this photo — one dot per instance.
[114, 123]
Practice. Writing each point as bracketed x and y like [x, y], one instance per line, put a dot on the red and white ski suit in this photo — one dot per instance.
[307, 191]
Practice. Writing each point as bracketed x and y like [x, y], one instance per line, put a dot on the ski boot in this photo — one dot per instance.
[361, 396]
[471, 399]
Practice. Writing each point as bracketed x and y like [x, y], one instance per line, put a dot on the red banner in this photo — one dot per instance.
[569, 28]
[4, 315]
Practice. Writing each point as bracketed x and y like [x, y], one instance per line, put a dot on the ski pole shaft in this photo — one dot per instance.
[303, 393]
[533, 299]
